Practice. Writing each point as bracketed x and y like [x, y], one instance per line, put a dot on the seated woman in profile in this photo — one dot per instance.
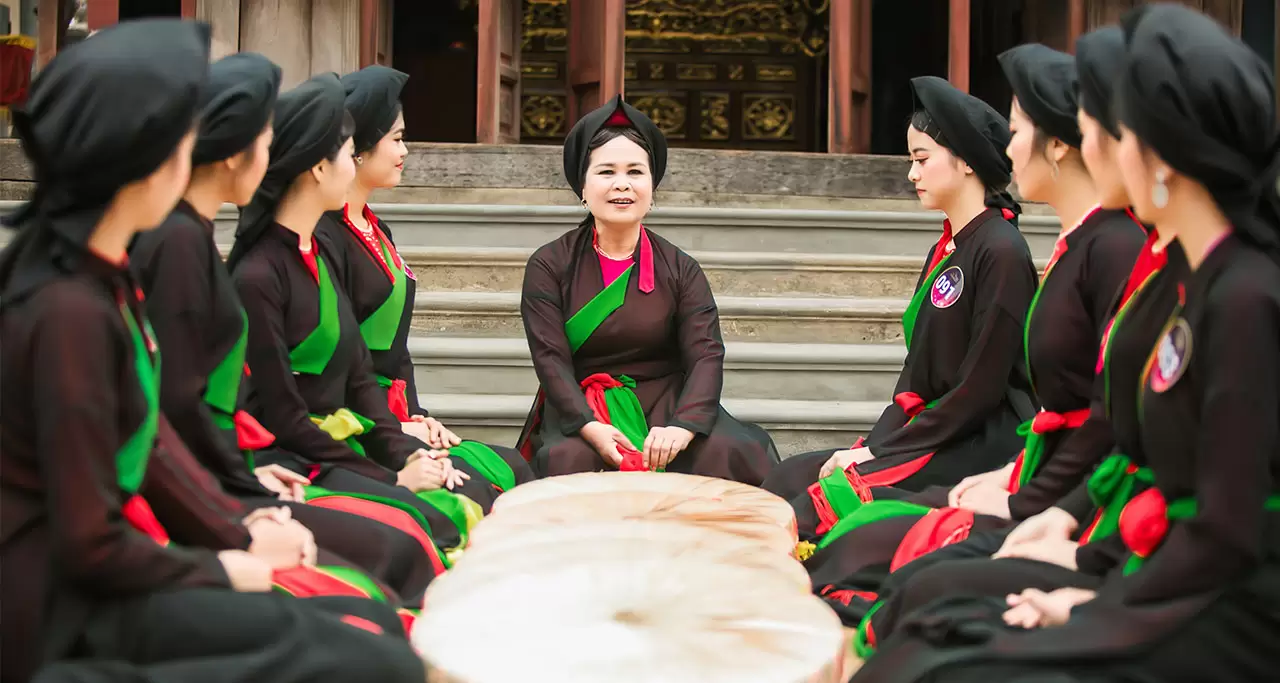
[623, 329]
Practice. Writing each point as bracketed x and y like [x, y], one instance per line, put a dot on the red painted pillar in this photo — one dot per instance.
[958, 59]
[849, 68]
[100, 14]
[597, 52]
[368, 32]
[1076, 21]
[189, 9]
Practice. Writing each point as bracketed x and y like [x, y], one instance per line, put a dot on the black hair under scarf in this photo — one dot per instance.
[1100, 56]
[1044, 81]
[974, 131]
[236, 107]
[308, 125]
[373, 98]
[614, 113]
[106, 112]
[1206, 104]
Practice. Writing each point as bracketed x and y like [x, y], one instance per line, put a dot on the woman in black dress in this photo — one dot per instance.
[199, 321]
[1197, 597]
[623, 328]
[963, 390]
[108, 130]
[311, 380]
[378, 282]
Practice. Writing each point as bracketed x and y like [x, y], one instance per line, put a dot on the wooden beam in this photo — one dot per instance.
[368, 32]
[488, 56]
[100, 14]
[958, 51]
[597, 53]
[1077, 19]
[189, 9]
[223, 17]
[51, 30]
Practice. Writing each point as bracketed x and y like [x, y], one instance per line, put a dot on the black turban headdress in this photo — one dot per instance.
[1206, 104]
[1100, 55]
[104, 113]
[972, 130]
[373, 98]
[308, 127]
[1044, 81]
[614, 114]
[236, 107]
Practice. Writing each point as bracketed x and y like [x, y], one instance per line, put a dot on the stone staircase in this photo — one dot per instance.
[810, 307]
[812, 258]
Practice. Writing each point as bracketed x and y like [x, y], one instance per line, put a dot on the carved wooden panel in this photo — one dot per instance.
[711, 73]
[1228, 12]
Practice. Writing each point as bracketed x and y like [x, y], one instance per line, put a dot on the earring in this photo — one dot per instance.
[584, 203]
[359, 161]
[1160, 191]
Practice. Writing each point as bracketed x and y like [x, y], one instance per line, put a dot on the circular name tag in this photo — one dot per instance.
[947, 288]
[1172, 356]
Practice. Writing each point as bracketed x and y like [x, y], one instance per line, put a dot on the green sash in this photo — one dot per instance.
[583, 324]
[223, 384]
[131, 459]
[1185, 508]
[351, 577]
[487, 460]
[626, 413]
[312, 355]
[917, 300]
[1110, 488]
[840, 494]
[868, 513]
[379, 329]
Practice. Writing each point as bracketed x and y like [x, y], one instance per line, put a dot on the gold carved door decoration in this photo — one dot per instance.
[745, 74]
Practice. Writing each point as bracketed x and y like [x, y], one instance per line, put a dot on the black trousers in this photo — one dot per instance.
[212, 635]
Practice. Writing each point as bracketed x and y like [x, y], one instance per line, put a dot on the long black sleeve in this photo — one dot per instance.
[542, 311]
[701, 350]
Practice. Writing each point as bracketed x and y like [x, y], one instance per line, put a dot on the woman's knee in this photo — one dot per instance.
[570, 456]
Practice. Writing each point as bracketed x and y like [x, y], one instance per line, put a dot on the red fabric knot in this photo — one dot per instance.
[910, 403]
[137, 512]
[1144, 521]
[1046, 422]
[593, 388]
[398, 399]
[250, 434]
[1007, 214]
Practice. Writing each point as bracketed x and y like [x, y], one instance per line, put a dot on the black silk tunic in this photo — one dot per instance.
[966, 355]
[282, 301]
[368, 286]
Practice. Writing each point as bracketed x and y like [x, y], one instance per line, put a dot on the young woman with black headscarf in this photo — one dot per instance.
[311, 380]
[623, 329]
[108, 130]
[1132, 319]
[198, 319]
[377, 280]
[1196, 597]
[962, 391]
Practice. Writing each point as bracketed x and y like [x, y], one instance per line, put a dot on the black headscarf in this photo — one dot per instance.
[614, 114]
[1100, 55]
[308, 127]
[104, 113]
[236, 107]
[972, 130]
[1206, 103]
[1044, 81]
[373, 98]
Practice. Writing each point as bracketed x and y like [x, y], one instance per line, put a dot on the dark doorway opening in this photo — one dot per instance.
[137, 9]
[910, 39]
[435, 43]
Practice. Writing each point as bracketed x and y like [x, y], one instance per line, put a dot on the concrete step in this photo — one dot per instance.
[796, 426]
[753, 370]
[501, 269]
[843, 320]
[695, 229]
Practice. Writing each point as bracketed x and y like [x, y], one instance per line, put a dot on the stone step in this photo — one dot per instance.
[843, 320]
[501, 269]
[694, 229]
[796, 426]
[753, 370]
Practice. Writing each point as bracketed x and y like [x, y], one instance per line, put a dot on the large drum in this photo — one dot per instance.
[630, 539]
[568, 508]
[731, 493]
[625, 620]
